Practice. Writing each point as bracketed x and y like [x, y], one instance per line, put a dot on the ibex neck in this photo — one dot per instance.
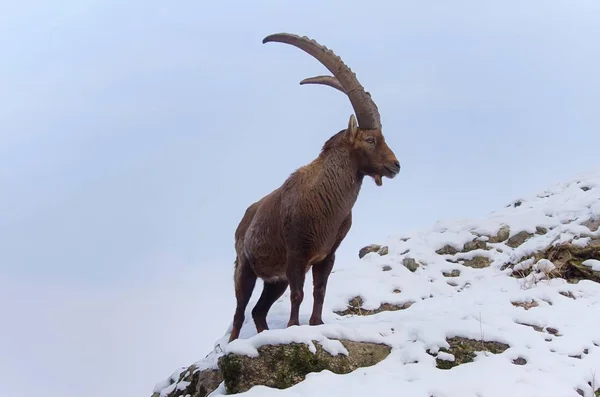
[339, 179]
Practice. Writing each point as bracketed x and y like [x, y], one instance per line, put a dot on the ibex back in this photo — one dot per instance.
[301, 224]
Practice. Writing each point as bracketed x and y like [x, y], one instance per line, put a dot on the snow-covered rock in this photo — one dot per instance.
[503, 306]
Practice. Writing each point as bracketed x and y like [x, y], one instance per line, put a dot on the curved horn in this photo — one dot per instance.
[366, 111]
[325, 80]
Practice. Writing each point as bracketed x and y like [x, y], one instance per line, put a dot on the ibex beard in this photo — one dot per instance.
[300, 225]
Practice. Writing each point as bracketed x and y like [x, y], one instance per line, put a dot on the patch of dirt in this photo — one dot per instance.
[464, 349]
[525, 304]
[282, 366]
[355, 308]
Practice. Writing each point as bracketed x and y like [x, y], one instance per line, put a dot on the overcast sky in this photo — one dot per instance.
[133, 136]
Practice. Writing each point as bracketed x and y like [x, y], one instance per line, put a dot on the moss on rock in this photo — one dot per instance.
[478, 262]
[282, 366]
[355, 307]
[464, 349]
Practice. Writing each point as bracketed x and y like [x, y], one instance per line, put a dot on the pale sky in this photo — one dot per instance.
[135, 134]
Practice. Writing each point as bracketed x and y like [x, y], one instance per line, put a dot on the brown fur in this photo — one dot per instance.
[301, 224]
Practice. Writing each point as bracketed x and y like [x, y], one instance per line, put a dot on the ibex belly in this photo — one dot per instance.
[264, 246]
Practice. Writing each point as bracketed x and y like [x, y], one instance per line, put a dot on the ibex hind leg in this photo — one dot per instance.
[245, 280]
[271, 292]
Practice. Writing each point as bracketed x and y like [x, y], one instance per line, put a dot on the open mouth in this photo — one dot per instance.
[391, 172]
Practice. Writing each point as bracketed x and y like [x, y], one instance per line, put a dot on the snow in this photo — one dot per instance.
[477, 304]
[593, 263]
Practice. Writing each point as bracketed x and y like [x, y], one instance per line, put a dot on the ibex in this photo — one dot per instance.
[301, 224]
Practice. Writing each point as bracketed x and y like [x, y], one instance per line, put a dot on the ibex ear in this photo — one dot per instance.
[352, 130]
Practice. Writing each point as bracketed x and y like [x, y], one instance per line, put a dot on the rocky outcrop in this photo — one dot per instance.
[282, 366]
[192, 382]
[277, 366]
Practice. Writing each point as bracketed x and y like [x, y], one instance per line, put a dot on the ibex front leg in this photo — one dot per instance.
[321, 272]
[296, 274]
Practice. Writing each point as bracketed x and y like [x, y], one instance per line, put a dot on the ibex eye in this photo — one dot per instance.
[371, 140]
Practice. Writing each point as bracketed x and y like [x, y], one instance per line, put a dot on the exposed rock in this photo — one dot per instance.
[568, 294]
[475, 244]
[368, 249]
[478, 262]
[446, 250]
[526, 304]
[569, 258]
[282, 366]
[410, 264]
[501, 236]
[552, 331]
[541, 230]
[535, 327]
[518, 239]
[592, 224]
[464, 349]
[453, 273]
[195, 383]
[519, 361]
[381, 250]
[386, 268]
[355, 307]
[586, 188]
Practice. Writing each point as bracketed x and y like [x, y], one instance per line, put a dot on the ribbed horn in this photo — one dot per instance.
[366, 111]
[325, 80]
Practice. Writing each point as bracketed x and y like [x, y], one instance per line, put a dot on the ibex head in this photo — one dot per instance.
[365, 139]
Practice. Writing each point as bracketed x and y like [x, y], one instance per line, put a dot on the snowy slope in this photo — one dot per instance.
[562, 354]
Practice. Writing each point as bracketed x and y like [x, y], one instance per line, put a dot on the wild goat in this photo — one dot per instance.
[302, 223]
